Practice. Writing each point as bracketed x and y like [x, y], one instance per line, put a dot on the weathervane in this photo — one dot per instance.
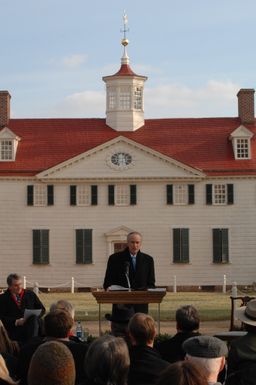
[125, 41]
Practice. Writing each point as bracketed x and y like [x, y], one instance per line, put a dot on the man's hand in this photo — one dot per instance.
[19, 322]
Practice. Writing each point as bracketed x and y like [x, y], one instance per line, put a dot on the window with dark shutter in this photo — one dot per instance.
[84, 246]
[30, 195]
[50, 195]
[94, 195]
[72, 195]
[169, 194]
[133, 194]
[180, 245]
[220, 246]
[111, 195]
[41, 246]
[209, 194]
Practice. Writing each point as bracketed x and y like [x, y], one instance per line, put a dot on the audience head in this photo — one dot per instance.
[142, 329]
[208, 352]
[52, 364]
[187, 319]
[57, 324]
[120, 317]
[62, 304]
[247, 315]
[6, 344]
[107, 361]
[4, 373]
[14, 283]
[183, 373]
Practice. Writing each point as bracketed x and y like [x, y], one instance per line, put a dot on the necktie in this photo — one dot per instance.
[134, 262]
[18, 299]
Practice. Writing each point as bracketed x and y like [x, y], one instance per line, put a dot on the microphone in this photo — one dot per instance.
[127, 269]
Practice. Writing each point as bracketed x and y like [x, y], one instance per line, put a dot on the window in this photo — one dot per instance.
[41, 246]
[84, 246]
[180, 245]
[111, 100]
[220, 245]
[122, 195]
[242, 149]
[219, 194]
[40, 195]
[83, 195]
[6, 150]
[125, 98]
[138, 98]
[180, 194]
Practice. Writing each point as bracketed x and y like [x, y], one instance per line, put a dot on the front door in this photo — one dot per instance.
[119, 246]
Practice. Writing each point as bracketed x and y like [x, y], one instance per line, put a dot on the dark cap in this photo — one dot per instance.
[120, 314]
[205, 347]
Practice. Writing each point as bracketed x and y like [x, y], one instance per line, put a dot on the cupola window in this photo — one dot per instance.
[138, 98]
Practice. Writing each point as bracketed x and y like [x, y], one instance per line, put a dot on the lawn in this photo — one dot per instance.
[211, 306]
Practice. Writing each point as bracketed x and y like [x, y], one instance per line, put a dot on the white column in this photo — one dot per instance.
[174, 284]
[72, 285]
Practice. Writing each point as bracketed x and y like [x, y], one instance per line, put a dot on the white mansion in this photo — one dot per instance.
[72, 189]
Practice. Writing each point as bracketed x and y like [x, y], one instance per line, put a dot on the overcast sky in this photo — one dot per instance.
[196, 54]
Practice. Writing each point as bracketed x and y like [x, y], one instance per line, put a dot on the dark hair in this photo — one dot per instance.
[107, 361]
[142, 328]
[182, 373]
[12, 277]
[187, 318]
[58, 323]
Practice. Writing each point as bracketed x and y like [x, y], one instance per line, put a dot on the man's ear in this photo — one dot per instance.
[222, 363]
[133, 342]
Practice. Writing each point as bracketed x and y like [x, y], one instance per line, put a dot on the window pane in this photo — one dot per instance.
[40, 195]
[41, 246]
[83, 195]
[242, 148]
[125, 98]
[180, 194]
[84, 246]
[122, 195]
[220, 194]
[6, 150]
[138, 98]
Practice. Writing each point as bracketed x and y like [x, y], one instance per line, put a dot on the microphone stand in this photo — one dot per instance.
[128, 280]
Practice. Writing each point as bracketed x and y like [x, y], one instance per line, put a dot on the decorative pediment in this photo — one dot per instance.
[118, 159]
[119, 233]
[241, 132]
[6, 133]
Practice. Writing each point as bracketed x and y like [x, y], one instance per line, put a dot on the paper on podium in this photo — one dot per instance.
[157, 289]
[117, 288]
[29, 312]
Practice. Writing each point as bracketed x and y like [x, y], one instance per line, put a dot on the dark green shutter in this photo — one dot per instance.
[209, 194]
[184, 245]
[30, 195]
[191, 194]
[230, 188]
[84, 246]
[111, 195]
[94, 195]
[176, 245]
[217, 245]
[225, 251]
[40, 246]
[169, 194]
[50, 195]
[133, 194]
[72, 195]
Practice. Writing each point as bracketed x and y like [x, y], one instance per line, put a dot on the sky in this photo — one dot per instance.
[196, 54]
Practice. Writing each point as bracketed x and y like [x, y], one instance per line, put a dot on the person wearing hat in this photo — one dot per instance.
[119, 319]
[242, 353]
[208, 353]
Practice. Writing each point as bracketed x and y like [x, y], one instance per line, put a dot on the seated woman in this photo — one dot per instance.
[107, 361]
[5, 378]
[9, 349]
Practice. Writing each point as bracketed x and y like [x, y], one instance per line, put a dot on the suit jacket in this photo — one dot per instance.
[146, 365]
[142, 278]
[242, 352]
[10, 311]
[171, 349]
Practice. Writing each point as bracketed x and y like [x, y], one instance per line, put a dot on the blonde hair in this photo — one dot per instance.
[4, 372]
[6, 344]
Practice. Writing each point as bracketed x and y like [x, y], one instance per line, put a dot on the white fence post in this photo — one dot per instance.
[24, 282]
[72, 285]
[224, 289]
[174, 284]
[234, 290]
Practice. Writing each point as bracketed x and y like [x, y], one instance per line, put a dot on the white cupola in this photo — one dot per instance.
[125, 104]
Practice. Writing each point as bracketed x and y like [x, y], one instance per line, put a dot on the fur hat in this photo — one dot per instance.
[205, 347]
[247, 314]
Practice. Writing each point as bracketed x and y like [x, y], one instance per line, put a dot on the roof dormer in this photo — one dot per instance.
[8, 145]
[241, 142]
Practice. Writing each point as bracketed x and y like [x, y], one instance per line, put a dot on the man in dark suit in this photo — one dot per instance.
[13, 303]
[131, 268]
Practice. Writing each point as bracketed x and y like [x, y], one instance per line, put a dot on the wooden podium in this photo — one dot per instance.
[129, 297]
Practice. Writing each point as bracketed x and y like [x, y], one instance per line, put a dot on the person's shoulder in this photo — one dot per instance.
[146, 256]
[119, 254]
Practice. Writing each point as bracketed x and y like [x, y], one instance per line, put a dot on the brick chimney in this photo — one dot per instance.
[5, 98]
[246, 105]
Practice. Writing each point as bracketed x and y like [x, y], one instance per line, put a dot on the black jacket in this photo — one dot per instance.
[142, 278]
[10, 312]
[146, 365]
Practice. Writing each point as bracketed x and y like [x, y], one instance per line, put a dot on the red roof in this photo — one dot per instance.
[200, 143]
